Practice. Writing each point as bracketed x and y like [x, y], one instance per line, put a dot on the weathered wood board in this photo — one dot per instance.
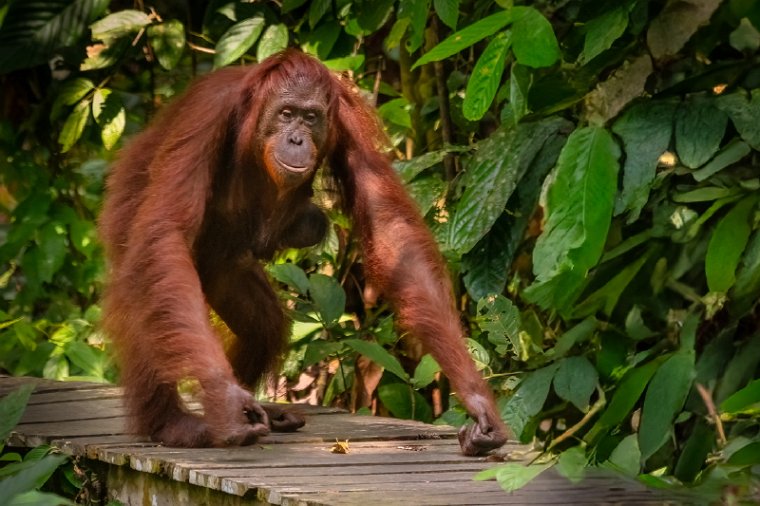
[390, 461]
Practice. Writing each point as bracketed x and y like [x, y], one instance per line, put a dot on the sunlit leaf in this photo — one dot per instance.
[533, 39]
[74, 126]
[486, 76]
[168, 42]
[237, 41]
[108, 111]
[466, 37]
[275, 39]
[119, 24]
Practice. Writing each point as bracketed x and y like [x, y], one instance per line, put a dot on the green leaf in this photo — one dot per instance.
[572, 464]
[372, 15]
[404, 402]
[74, 126]
[575, 381]
[492, 175]
[427, 191]
[416, 11]
[645, 129]
[274, 40]
[578, 212]
[108, 111]
[328, 296]
[37, 498]
[534, 42]
[626, 457]
[119, 24]
[317, 9]
[12, 408]
[466, 37]
[291, 5]
[528, 400]
[35, 30]
[513, 476]
[424, 373]
[168, 42]
[628, 392]
[447, 11]
[317, 351]
[749, 455]
[71, 92]
[352, 63]
[746, 290]
[321, 41]
[699, 129]
[378, 355]
[602, 31]
[31, 478]
[53, 245]
[486, 76]
[498, 316]
[745, 400]
[743, 114]
[92, 362]
[606, 297]
[521, 79]
[396, 111]
[727, 243]
[664, 399]
[694, 453]
[237, 41]
[291, 275]
[730, 154]
[396, 34]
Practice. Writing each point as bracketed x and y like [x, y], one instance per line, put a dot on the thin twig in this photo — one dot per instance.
[201, 49]
[598, 405]
[712, 411]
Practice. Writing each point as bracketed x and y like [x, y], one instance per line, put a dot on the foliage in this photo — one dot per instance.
[588, 168]
[21, 478]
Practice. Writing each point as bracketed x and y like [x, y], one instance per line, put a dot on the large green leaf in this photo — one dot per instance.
[513, 476]
[602, 31]
[728, 155]
[32, 477]
[492, 175]
[534, 42]
[528, 400]
[108, 111]
[119, 24]
[12, 408]
[743, 114]
[416, 12]
[575, 381]
[33, 30]
[74, 125]
[645, 129]
[486, 76]
[628, 392]
[168, 42]
[404, 402]
[328, 296]
[291, 275]
[487, 264]
[237, 40]
[378, 355]
[746, 290]
[447, 11]
[699, 129]
[275, 39]
[579, 209]
[727, 244]
[745, 400]
[71, 92]
[664, 399]
[466, 37]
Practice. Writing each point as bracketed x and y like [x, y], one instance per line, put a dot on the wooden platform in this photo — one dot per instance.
[390, 461]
